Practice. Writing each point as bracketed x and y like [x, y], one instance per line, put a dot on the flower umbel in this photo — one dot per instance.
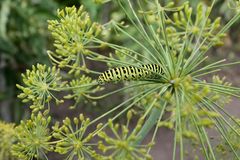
[33, 138]
[199, 27]
[82, 93]
[72, 141]
[123, 145]
[40, 83]
[7, 139]
[73, 35]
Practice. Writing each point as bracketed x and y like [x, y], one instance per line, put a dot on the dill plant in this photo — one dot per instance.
[33, 138]
[7, 139]
[169, 36]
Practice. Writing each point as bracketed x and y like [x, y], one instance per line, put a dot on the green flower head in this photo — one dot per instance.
[73, 34]
[33, 138]
[123, 144]
[72, 139]
[39, 85]
[7, 139]
[81, 93]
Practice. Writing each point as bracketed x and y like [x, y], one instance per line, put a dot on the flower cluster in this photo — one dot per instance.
[40, 83]
[201, 27]
[73, 35]
[81, 92]
[182, 23]
[192, 108]
[33, 138]
[221, 99]
[7, 139]
[72, 139]
[123, 145]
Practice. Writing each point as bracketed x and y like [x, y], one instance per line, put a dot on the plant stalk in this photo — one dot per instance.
[149, 124]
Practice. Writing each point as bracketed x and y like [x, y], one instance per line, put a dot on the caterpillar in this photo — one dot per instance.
[144, 72]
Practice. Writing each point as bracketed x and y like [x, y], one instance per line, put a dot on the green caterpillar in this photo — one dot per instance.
[144, 72]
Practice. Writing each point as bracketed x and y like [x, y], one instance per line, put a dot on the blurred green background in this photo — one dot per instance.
[24, 40]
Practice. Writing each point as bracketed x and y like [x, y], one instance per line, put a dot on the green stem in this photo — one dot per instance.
[149, 124]
[156, 128]
[178, 121]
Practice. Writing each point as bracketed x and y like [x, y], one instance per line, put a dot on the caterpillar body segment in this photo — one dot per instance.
[144, 72]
